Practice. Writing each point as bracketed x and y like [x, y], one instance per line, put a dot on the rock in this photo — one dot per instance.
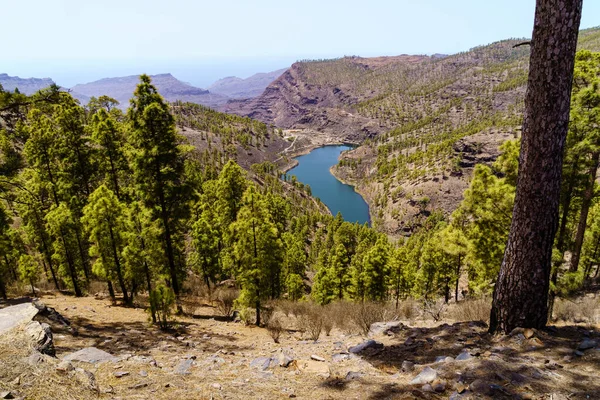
[427, 388]
[6, 395]
[262, 363]
[216, 386]
[13, 316]
[428, 375]
[480, 386]
[139, 385]
[443, 359]
[41, 334]
[528, 333]
[351, 375]
[120, 374]
[385, 328]
[317, 358]
[65, 366]
[465, 355]
[315, 367]
[284, 360]
[578, 353]
[408, 366]
[587, 344]
[184, 366]
[35, 358]
[439, 385]
[369, 344]
[143, 373]
[460, 387]
[516, 331]
[91, 355]
[339, 357]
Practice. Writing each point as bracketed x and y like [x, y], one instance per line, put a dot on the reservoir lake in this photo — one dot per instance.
[313, 170]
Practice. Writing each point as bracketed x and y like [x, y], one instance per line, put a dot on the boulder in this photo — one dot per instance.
[41, 334]
[91, 355]
[13, 316]
[587, 344]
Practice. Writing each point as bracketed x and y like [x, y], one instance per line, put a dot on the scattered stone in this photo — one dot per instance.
[120, 374]
[385, 328]
[465, 355]
[369, 344]
[528, 333]
[351, 375]
[460, 387]
[91, 355]
[439, 385]
[339, 357]
[143, 373]
[65, 366]
[262, 363]
[6, 395]
[139, 385]
[480, 386]
[587, 344]
[216, 386]
[184, 366]
[428, 375]
[317, 358]
[427, 388]
[408, 366]
[284, 360]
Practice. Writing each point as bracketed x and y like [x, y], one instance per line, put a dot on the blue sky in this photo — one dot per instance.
[74, 41]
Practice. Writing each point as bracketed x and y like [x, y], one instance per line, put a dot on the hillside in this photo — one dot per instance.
[26, 86]
[170, 88]
[423, 122]
[238, 88]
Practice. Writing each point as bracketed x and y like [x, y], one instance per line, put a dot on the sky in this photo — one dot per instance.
[200, 41]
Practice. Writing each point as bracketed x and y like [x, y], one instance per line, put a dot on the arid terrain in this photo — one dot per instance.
[206, 356]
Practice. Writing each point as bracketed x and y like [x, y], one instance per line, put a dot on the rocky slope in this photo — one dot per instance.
[238, 88]
[423, 122]
[170, 88]
[26, 86]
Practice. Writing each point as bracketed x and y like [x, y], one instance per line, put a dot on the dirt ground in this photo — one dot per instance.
[217, 355]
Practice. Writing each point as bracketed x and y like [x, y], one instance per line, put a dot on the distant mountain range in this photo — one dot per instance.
[238, 88]
[122, 88]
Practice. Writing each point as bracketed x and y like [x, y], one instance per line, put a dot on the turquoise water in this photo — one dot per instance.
[313, 170]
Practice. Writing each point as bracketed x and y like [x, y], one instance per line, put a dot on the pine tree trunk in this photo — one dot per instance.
[111, 291]
[126, 298]
[586, 203]
[3, 289]
[521, 291]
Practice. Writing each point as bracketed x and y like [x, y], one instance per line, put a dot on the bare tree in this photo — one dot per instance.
[521, 292]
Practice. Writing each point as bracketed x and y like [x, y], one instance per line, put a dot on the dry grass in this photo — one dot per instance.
[224, 299]
[471, 310]
[584, 310]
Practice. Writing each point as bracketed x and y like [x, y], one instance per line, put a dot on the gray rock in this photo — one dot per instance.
[339, 357]
[428, 375]
[13, 316]
[427, 388]
[35, 358]
[261, 363]
[385, 328]
[369, 344]
[317, 358]
[184, 366]
[480, 386]
[41, 334]
[91, 355]
[143, 373]
[587, 344]
[465, 355]
[352, 375]
[408, 366]
[120, 374]
[578, 353]
[139, 385]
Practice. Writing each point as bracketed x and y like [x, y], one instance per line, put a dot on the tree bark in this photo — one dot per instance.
[521, 291]
[586, 203]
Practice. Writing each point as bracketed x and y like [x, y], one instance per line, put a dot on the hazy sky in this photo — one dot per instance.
[75, 41]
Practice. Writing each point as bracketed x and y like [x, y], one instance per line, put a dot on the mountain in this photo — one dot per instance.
[422, 122]
[170, 88]
[26, 86]
[238, 88]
